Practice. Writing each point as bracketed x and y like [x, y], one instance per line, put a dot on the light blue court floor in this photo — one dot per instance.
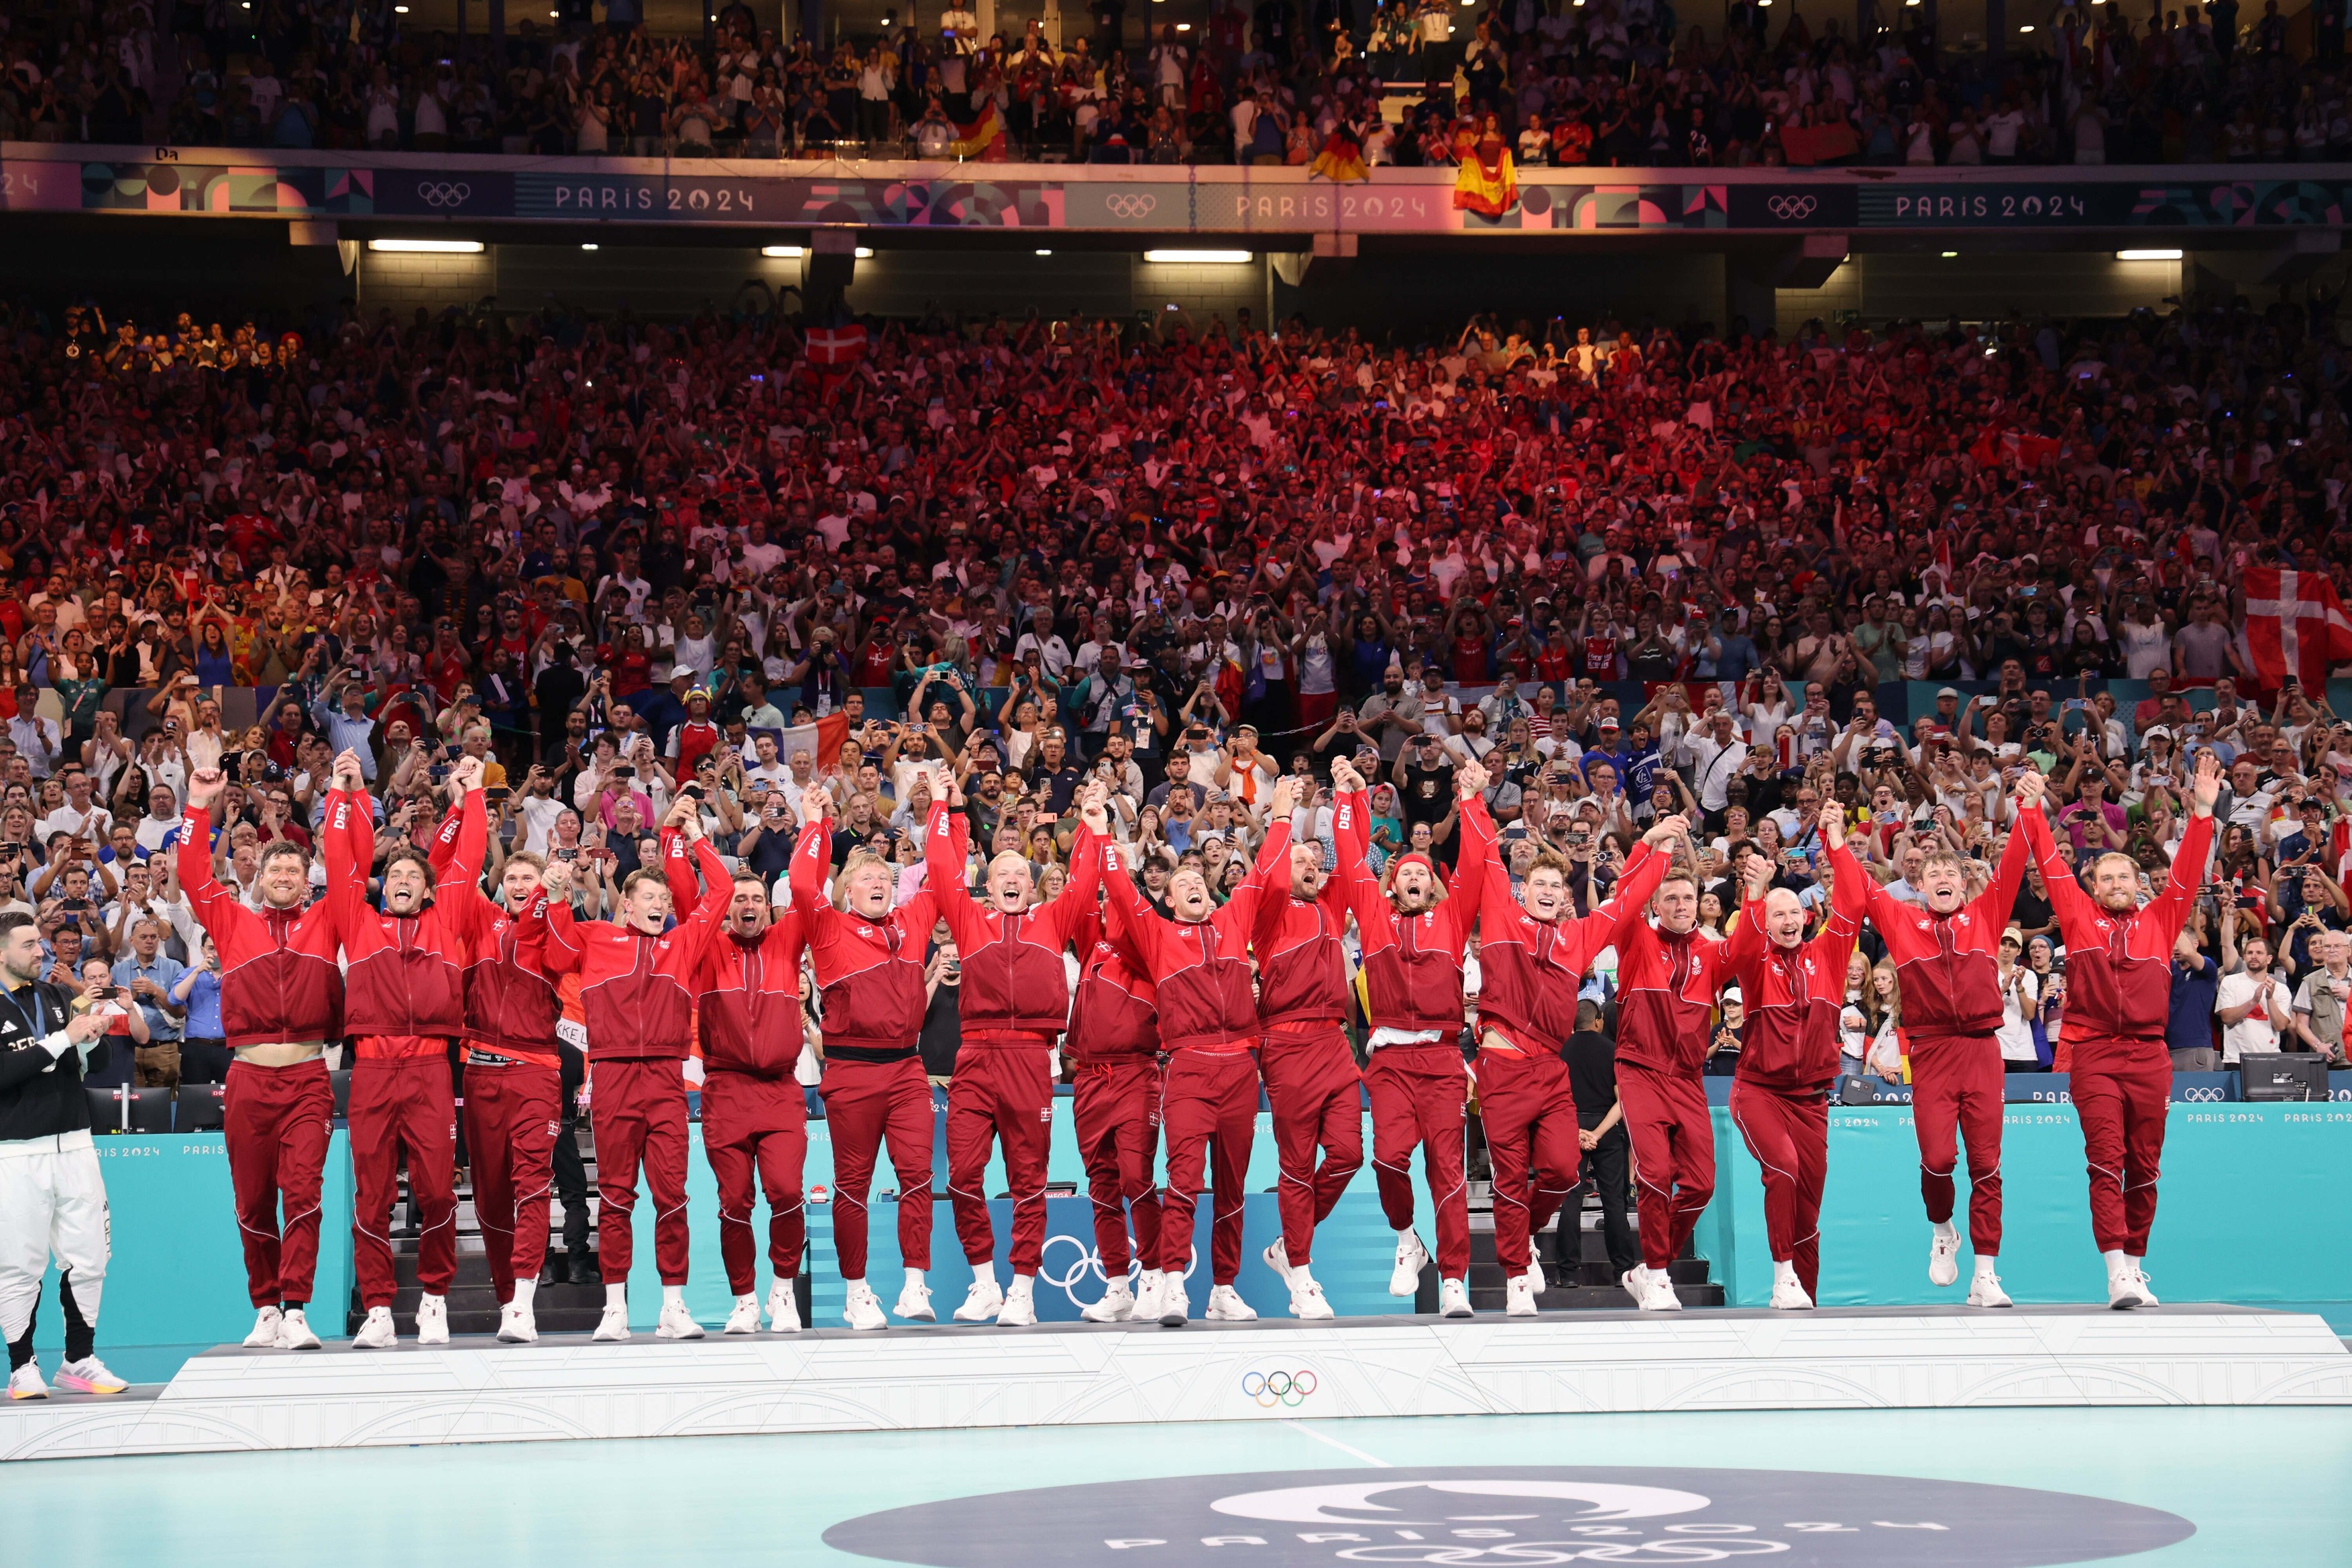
[1987, 1489]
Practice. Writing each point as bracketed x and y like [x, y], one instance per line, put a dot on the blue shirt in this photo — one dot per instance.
[204, 1020]
[2189, 1025]
[165, 971]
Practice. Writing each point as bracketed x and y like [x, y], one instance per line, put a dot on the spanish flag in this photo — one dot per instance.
[984, 137]
[1487, 189]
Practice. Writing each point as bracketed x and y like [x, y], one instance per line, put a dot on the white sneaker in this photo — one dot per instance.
[433, 1320]
[862, 1310]
[914, 1304]
[1662, 1292]
[264, 1329]
[2147, 1294]
[1635, 1282]
[979, 1303]
[517, 1325]
[1307, 1302]
[1277, 1257]
[745, 1317]
[1411, 1259]
[2124, 1284]
[294, 1333]
[1020, 1309]
[1943, 1256]
[1453, 1298]
[1226, 1306]
[1984, 1289]
[1117, 1304]
[783, 1309]
[1146, 1288]
[614, 1326]
[25, 1382]
[376, 1333]
[88, 1375]
[1787, 1293]
[1174, 1306]
[1519, 1295]
[677, 1323]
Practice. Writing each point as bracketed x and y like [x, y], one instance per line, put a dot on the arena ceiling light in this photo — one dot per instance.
[1044, 253]
[781, 252]
[430, 247]
[2147, 255]
[1198, 258]
[587, 247]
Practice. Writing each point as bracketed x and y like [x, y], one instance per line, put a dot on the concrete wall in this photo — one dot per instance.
[1426, 293]
[1975, 284]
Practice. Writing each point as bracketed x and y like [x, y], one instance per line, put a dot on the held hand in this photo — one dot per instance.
[1285, 796]
[1759, 877]
[1833, 826]
[204, 786]
[2207, 788]
[1469, 779]
[466, 775]
[556, 879]
[1666, 831]
[1347, 780]
[817, 804]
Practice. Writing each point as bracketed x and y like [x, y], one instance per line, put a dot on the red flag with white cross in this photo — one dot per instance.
[2295, 626]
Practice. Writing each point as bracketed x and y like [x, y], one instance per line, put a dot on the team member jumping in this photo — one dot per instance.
[633, 987]
[1667, 977]
[754, 1116]
[1208, 1020]
[2118, 994]
[1014, 1001]
[1780, 1099]
[1313, 1086]
[1945, 951]
[1532, 958]
[1413, 947]
[514, 1074]
[405, 983]
[869, 975]
[281, 1001]
[1113, 1049]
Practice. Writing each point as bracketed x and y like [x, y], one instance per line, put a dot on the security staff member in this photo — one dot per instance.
[1591, 1059]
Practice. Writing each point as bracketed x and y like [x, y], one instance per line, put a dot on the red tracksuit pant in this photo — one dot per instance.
[2122, 1091]
[1789, 1136]
[1116, 1104]
[1209, 1114]
[866, 1102]
[756, 1125]
[402, 1110]
[1000, 1091]
[277, 1121]
[638, 1107]
[1418, 1093]
[1315, 1092]
[513, 1115]
[1673, 1154]
[1530, 1121]
[1956, 1090]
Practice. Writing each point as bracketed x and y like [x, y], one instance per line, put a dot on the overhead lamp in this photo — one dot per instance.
[2147, 255]
[781, 252]
[430, 247]
[1044, 253]
[587, 247]
[1198, 257]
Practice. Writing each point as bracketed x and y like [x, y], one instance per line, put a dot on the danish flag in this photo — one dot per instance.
[2295, 626]
[837, 348]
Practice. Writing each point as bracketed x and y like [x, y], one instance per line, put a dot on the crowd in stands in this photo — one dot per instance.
[1629, 572]
[1616, 83]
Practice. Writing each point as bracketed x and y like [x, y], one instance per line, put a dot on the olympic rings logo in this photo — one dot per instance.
[2201, 1096]
[1790, 209]
[444, 193]
[1131, 204]
[1086, 1265]
[1273, 1388]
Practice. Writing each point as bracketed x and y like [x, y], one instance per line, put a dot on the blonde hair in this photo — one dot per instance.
[858, 859]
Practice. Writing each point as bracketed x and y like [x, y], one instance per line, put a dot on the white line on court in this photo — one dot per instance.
[1343, 1447]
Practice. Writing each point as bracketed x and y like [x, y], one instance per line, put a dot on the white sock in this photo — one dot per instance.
[1785, 1270]
[1985, 1261]
[2139, 1265]
[2115, 1260]
[982, 1273]
[615, 1296]
[524, 1289]
[429, 1295]
[1023, 1283]
[914, 1279]
[855, 1286]
[1300, 1279]
[1944, 1229]
[673, 1296]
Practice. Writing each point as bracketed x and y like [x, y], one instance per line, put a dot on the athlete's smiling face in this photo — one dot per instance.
[1544, 894]
[1414, 888]
[746, 913]
[1010, 883]
[1677, 904]
[1784, 918]
[1187, 896]
[1306, 870]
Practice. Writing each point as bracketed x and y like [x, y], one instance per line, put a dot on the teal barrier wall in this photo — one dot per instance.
[2249, 1212]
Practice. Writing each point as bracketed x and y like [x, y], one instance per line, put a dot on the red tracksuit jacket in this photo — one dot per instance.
[1413, 967]
[1114, 1016]
[1302, 970]
[1529, 969]
[1949, 966]
[869, 972]
[404, 976]
[747, 993]
[280, 980]
[1666, 986]
[1201, 971]
[634, 988]
[2119, 972]
[1792, 996]
[511, 1007]
[1014, 979]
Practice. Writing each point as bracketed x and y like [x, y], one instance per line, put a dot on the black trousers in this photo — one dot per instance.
[1609, 1165]
[569, 1172]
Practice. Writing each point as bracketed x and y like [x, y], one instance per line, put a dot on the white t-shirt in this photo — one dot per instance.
[2258, 1031]
[2015, 1033]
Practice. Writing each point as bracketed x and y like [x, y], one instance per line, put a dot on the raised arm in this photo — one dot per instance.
[1350, 838]
[215, 905]
[947, 861]
[1073, 908]
[812, 858]
[2170, 908]
[2067, 900]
